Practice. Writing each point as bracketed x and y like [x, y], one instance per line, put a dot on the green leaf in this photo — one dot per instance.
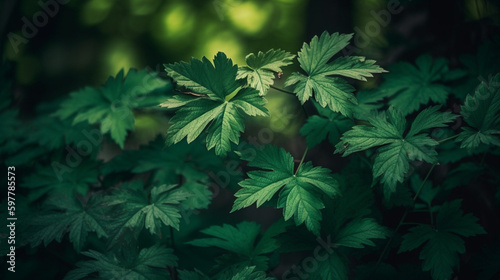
[259, 73]
[482, 112]
[336, 266]
[63, 214]
[112, 104]
[355, 203]
[192, 275]
[139, 210]
[242, 241]
[333, 92]
[300, 194]
[327, 124]
[239, 239]
[200, 197]
[149, 264]
[442, 244]
[411, 86]
[359, 232]
[249, 273]
[212, 85]
[66, 177]
[395, 150]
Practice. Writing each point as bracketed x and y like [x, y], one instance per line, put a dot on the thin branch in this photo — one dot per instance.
[282, 90]
[446, 139]
[302, 160]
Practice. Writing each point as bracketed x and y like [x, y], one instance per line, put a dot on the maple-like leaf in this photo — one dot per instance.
[150, 210]
[409, 86]
[300, 194]
[219, 102]
[242, 242]
[60, 178]
[149, 263]
[260, 69]
[396, 150]
[112, 104]
[67, 214]
[333, 92]
[443, 243]
[482, 112]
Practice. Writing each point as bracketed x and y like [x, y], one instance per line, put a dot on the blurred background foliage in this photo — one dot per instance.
[87, 41]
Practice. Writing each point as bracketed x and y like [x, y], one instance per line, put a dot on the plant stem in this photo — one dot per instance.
[401, 221]
[302, 160]
[282, 90]
[291, 93]
[446, 139]
[423, 183]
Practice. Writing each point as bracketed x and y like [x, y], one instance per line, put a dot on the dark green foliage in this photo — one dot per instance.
[146, 264]
[442, 243]
[112, 104]
[215, 207]
[397, 148]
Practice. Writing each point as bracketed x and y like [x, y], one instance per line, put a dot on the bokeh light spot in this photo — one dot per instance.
[248, 17]
[120, 54]
[143, 7]
[95, 11]
[178, 21]
[226, 42]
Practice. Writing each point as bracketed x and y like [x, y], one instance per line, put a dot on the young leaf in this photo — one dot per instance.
[149, 264]
[213, 86]
[326, 124]
[332, 91]
[259, 73]
[111, 105]
[396, 149]
[442, 244]
[67, 214]
[300, 194]
[411, 86]
[482, 112]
